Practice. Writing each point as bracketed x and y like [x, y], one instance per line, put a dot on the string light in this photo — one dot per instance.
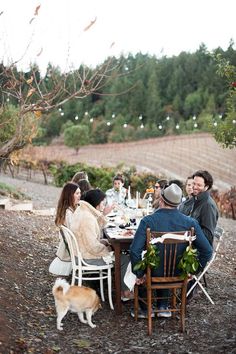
[125, 125]
[113, 115]
[177, 126]
[140, 117]
[234, 121]
[194, 117]
[141, 126]
[160, 126]
[59, 109]
[62, 113]
[91, 120]
[167, 118]
[215, 124]
[76, 117]
[195, 125]
[86, 113]
[220, 116]
[108, 123]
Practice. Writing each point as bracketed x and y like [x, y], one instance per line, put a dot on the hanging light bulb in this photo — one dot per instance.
[234, 121]
[108, 123]
[86, 113]
[177, 126]
[160, 126]
[215, 124]
[62, 113]
[194, 117]
[141, 126]
[59, 109]
[76, 117]
[113, 115]
[125, 125]
[220, 116]
[195, 125]
[140, 117]
[167, 118]
[91, 120]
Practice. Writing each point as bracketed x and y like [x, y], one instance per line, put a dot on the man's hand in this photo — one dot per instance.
[140, 281]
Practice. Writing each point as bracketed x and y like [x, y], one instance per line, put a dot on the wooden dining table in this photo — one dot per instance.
[118, 244]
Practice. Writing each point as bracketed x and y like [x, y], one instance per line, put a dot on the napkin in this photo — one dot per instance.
[130, 277]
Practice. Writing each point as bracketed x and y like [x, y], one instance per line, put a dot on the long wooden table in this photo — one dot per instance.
[118, 244]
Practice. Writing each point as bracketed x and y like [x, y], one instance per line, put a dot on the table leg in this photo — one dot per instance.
[118, 306]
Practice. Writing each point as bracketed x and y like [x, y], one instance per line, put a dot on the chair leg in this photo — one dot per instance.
[149, 310]
[101, 287]
[109, 282]
[173, 301]
[183, 308]
[136, 302]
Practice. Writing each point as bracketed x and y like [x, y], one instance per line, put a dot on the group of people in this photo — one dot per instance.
[83, 209]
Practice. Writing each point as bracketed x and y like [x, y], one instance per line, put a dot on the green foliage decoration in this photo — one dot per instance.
[188, 263]
[151, 258]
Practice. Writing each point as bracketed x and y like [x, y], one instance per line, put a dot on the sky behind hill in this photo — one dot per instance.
[70, 32]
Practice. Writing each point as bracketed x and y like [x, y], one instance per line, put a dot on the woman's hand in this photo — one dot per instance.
[109, 208]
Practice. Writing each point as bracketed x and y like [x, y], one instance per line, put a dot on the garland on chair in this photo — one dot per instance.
[151, 258]
[189, 262]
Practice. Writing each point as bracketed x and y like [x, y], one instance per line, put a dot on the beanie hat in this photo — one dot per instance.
[172, 195]
[94, 197]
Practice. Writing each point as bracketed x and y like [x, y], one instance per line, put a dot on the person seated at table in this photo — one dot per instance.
[87, 224]
[79, 175]
[118, 192]
[68, 202]
[186, 206]
[84, 187]
[160, 183]
[166, 219]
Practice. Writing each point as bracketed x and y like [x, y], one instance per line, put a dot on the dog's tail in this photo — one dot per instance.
[60, 287]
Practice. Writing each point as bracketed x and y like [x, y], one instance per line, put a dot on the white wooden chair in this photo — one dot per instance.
[82, 271]
[218, 236]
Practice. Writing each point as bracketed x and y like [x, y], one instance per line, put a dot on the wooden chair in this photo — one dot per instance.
[82, 271]
[169, 280]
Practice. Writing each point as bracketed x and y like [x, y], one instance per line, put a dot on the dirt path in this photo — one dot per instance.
[42, 196]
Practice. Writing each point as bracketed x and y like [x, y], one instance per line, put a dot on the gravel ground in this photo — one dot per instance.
[28, 321]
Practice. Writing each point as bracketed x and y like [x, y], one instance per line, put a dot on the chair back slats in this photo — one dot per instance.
[171, 247]
[170, 253]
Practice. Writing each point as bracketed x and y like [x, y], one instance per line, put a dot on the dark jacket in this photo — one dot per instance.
[168, 220]
[206, 213]
[186, 206]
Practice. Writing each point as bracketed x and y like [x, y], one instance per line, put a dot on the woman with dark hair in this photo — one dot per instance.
[84, 187]
[87, 225]
[78, 176]
[67, 204]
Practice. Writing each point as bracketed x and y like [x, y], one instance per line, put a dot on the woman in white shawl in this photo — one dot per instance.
[67, 204]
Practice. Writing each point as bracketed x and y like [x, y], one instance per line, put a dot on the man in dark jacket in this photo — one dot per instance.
[166, 219]
[204, 208]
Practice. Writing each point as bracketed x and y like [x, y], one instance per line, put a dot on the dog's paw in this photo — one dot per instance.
[92, 325]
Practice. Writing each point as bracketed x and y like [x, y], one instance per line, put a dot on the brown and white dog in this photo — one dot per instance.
[78, 299]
